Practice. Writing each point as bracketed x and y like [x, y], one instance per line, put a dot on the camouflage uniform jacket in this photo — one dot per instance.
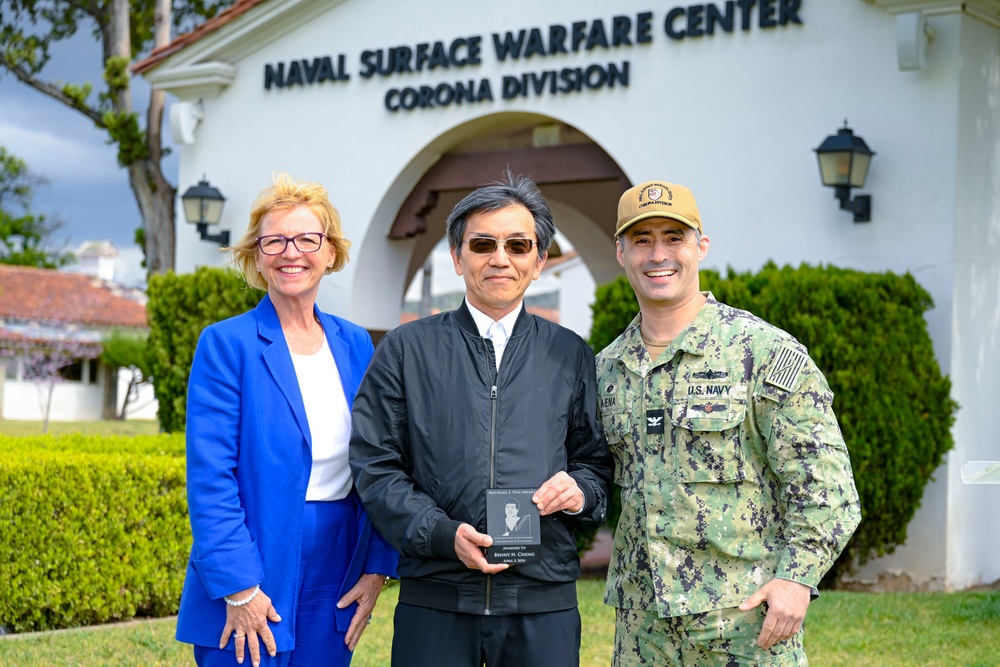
[732, 466]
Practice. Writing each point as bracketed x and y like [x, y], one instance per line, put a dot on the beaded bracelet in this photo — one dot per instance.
[256, 589]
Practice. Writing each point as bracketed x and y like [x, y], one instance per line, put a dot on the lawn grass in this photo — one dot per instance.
[857, 629]
[106, 427]
[894, 629]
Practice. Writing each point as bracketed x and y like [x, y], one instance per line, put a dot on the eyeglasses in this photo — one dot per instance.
[484, 245]
[275, 244]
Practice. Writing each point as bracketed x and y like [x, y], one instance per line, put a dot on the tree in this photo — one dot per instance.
[28, 29]
[121, 349]
[180, 307]
[22, 233]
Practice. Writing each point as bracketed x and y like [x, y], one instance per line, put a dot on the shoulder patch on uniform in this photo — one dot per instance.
[788, 363]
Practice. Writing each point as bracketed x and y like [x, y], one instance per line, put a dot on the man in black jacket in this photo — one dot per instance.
[483, 397]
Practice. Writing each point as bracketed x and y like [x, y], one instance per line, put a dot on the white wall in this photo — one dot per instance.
[956, 522]
[71, 401]
[576, 295]
[974, 523]
[574, 304]
[735, 116]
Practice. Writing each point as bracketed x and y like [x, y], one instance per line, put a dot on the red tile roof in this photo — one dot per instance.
[237, 9]
[52, 296]
[10, 338]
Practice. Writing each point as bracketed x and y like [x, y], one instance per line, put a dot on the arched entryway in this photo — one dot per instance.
[579, 179]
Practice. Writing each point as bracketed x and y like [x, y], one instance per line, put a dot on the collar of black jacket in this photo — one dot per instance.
[464, 318]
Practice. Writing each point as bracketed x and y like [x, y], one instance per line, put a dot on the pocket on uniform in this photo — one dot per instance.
[618, 430]
[616, 426]
[707, 433]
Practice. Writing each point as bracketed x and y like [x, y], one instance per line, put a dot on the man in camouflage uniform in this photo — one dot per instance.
[737, 490]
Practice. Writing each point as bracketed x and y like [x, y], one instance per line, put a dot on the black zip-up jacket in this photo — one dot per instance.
[434, 425]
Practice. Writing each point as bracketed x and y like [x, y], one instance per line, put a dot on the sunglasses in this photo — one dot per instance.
[275, 244]
[484, 245]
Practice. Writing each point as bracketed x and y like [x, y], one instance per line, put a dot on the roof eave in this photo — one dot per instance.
[987, 11]
[196, 66]
[197, 81]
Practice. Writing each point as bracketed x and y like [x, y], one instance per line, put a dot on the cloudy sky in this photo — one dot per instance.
[86, 188]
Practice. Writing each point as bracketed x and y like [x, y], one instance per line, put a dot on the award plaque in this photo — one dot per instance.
[513, 522]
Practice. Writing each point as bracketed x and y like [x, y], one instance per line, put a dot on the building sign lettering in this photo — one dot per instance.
[530, 45]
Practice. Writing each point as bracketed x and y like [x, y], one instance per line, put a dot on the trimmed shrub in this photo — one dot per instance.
[135, 445]
[95, 529]
[866, 332]
[180, 306]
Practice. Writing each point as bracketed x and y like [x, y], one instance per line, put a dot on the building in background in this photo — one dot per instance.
[402, 108]
[576, 291]
[96, 258]
[52, 322]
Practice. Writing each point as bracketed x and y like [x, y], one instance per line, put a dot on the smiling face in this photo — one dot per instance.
[495, 283]
[661, 257]
[293, 275]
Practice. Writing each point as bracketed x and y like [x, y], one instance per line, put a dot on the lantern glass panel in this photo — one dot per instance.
[213, 210]
[835, 168]
[192, 210]
[859, 169]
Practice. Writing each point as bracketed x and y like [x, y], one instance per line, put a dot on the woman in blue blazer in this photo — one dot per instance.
[285, 564]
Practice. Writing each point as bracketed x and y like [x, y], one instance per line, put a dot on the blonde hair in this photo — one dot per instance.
[288, 193]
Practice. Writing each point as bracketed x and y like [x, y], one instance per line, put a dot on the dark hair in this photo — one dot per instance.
[510, 191]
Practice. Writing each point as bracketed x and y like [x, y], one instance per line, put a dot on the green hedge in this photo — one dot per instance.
[164, 444]
[180, 306]
[95, 529]
[866, 332]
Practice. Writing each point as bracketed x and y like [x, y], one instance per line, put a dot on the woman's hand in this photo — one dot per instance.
[365, 593]
[248, 621]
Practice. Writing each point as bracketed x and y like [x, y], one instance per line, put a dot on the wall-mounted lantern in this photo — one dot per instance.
[843, 164]
[203, 207]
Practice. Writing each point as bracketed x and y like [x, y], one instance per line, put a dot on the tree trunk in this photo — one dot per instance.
[155, 197]
[131, 396]
[153, 194]
[48, 406]
[109, 409]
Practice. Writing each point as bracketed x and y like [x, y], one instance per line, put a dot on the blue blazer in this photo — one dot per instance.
[249, 458]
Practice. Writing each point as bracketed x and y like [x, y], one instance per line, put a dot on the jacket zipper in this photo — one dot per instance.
[493, 437]
[493, 454]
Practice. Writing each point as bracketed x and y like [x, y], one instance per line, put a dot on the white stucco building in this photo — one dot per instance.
[52, 325]
[402, 108]
[575, 289]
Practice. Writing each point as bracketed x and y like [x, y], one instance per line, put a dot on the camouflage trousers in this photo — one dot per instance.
[721, 638]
